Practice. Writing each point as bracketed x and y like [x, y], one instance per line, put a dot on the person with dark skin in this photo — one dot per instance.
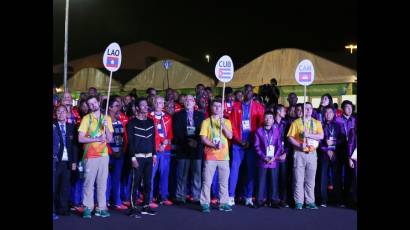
[246, 117]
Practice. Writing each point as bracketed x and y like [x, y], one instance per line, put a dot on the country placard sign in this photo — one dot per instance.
[224, 69]
[305, 72]
[112, 57]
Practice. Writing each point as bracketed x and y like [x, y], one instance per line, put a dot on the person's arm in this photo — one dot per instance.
[295, 143]
[226, 130]
[204, 134]
[83, 139]
[257, 146]
[108, 130]
[279, 148]
[170, 133]
[316, 136]
[207, 142]
[74, 150]
[130, 137]
[236, 137]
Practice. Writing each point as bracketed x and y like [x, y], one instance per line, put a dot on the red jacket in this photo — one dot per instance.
[167, 121]
[178, 107]
[257, 119]
[228, 109]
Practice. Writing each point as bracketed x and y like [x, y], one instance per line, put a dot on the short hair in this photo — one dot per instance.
[63, 106]
[268, 112]
[198, 85]
[347, 102]
[91, 97]
[308, 103]
[292, 93]
[238, 91]
[247, 85]
[273, 80]
[277, 108]
[208, 88]
[149, 89]
[215, 101]
[156, 97]
[138, 101]
[329, 107]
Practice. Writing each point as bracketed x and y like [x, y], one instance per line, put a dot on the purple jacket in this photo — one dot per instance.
[348, 133]
[331, 129]
[261, 144]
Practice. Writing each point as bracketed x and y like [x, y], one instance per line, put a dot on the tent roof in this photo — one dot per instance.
[135, 56]
[281, 64]
[180, 76]
[91, 77]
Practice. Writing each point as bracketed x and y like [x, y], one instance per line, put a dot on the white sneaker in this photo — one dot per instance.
[248, 201]
[231, 201]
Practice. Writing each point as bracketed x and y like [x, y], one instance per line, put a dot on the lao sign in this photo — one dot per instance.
[112, 57]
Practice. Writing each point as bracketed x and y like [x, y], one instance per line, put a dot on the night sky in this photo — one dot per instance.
[243, 32]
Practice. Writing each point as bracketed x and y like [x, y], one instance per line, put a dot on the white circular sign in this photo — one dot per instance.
[305, 72]
[224, 69]
[112, 57]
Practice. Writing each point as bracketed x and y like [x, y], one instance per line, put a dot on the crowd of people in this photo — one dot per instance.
[153, 150]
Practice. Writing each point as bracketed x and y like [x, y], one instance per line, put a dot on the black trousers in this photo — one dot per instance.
[346, 180]
[268, 177]
[54, 185]
[322, 178]
[144, 172]
[62, 186]
[283, 181]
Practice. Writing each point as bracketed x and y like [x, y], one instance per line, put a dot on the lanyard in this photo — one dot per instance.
[331, 129]
[345, 124]
[345, 128]
[190, 118]
[212, 127]
[267, 136]
[248, 116]
[311, 124]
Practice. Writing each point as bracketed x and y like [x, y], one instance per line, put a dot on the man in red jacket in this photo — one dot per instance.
[246, 117]
[163, 137]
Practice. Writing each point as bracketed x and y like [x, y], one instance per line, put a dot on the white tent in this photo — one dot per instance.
[281, 64]
[91, 77]
[180, 76]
